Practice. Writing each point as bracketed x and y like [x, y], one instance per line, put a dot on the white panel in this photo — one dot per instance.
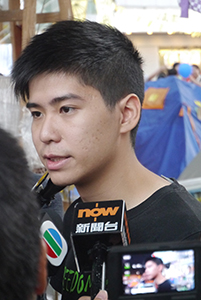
[148, 3]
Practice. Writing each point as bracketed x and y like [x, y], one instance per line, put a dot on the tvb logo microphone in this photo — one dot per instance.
[56, 244]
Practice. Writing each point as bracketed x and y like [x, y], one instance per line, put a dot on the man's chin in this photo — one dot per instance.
[58, 180]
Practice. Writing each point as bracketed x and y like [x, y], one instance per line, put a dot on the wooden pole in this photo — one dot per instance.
[15, 31]
[65, 7]
[23, 22]
[16, 16]
[28, 21]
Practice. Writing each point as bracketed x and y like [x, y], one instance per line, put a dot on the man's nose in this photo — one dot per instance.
[49, 130]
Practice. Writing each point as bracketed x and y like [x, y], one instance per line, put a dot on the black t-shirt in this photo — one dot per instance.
[170, 214]
[164, 287]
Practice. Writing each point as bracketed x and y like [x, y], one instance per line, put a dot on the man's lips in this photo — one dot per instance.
[56, 158]
[55, 162]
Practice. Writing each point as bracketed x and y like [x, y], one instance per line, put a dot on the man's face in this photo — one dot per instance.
[195, 72]
[152, 270]
[75, 134]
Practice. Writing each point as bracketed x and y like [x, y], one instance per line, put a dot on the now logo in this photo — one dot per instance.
[97, 211]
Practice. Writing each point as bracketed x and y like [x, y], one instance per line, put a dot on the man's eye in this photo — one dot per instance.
[66, 109]
[35, 114]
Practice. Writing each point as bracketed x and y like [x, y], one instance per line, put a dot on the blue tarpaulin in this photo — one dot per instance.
[169, 135]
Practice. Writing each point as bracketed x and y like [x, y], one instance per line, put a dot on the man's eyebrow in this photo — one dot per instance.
[55, 100]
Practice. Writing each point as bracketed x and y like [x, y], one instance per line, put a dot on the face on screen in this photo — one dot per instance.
[158, 272]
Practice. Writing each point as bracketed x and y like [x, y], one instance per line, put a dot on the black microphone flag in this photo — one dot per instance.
[96, 227]
[103, 221]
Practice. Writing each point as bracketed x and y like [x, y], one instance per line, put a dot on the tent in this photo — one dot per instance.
[193, 170]
[169, 135]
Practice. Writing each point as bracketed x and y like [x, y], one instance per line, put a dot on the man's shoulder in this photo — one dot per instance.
[166, 283]
[173, 194]
[170, 214]
[175, 191]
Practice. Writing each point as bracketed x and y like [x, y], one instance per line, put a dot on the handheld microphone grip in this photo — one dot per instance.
[98, 252]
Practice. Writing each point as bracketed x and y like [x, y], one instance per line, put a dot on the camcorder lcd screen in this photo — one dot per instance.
[158, 272]
[155, 271]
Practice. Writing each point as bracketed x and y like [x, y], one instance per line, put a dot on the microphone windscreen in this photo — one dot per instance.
[56, 246]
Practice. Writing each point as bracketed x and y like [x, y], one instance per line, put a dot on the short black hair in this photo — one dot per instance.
[175, 65]
[99, 55]
[196, 66]
[19, 234]
[172, 71]
[156, 260]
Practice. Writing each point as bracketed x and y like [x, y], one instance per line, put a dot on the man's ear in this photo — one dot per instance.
[130, 108]
[160, 268]
[42, 270]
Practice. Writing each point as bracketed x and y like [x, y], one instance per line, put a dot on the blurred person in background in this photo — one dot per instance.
[195, 76]
[163, 72]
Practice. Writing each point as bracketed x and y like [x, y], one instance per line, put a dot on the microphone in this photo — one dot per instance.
[46, 194]
[51, 232]
[96, 227]
[51, 224]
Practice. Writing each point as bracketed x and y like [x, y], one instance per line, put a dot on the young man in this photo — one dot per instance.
[83, 83]
[153, 271]
[195, 76]
[22, 254]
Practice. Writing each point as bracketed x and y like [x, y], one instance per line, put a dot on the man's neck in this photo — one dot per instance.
[128, 181]
[160, 279]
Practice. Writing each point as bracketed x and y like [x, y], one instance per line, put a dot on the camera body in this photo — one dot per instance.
[128, 278]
